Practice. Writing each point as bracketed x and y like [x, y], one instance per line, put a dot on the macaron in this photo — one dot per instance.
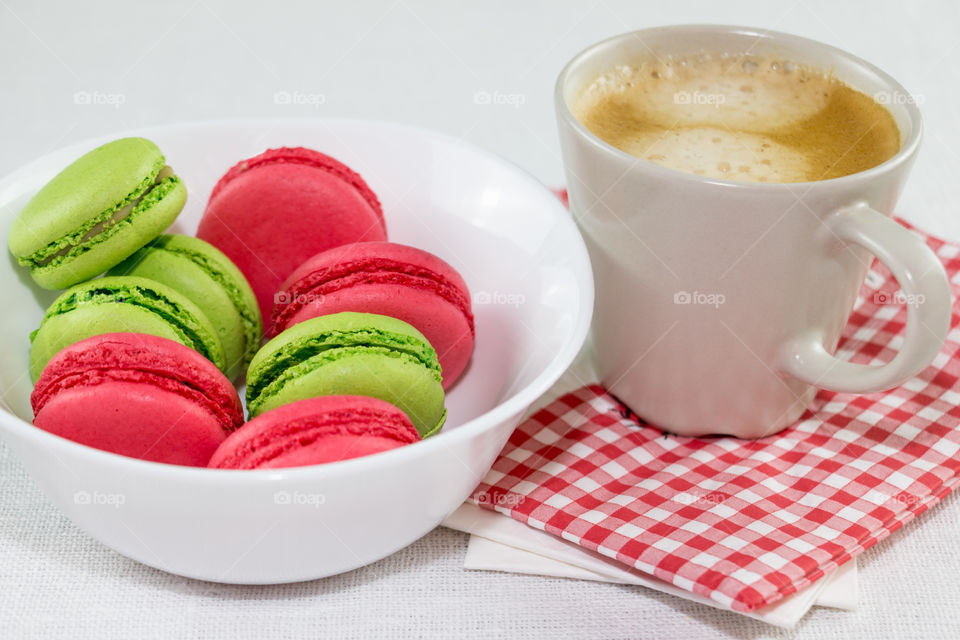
[122, 304]
[201, 272]
[272, 212]
[137, 395]
[96, 212]
[350, 354]
[389, 279]
[316, 431]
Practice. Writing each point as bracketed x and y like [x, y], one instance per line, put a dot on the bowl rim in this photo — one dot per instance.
[519, 402]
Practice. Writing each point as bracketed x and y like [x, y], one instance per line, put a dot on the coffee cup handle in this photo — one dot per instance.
[926, 290]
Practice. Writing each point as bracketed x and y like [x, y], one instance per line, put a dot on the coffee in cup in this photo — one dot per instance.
[739, 117]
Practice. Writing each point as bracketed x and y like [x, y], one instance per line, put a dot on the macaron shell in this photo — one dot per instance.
[443, 325]
[350, 353]
[86, 321]
[134, 420]
[190, 280]
[391, 279]
[207, 277]
[364, 371]
[137, 395]
[118, 243]
[386, 330]
[270, 219]
[122, 304]
[315, 431]
[143, 358]
[333, 448]
[92, 184]
[308, 157]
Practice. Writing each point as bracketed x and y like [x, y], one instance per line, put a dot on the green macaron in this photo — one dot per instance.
[204, 274]
[350, 354]
[96, 212]
[122, 304]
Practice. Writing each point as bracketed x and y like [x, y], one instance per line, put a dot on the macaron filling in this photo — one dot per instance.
[295, 358]
[99, 228]
[378, 271]
[187, 328]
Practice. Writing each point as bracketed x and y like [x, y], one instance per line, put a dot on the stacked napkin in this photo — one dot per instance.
[759, 527]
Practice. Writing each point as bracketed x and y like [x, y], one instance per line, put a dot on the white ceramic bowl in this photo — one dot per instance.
[529, 274]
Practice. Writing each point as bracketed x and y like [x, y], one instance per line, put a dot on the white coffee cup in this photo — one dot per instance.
[719, 304]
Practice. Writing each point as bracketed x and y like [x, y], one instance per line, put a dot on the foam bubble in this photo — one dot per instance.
[719, 153]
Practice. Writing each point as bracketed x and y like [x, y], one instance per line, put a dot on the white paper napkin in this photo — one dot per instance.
[499, 543]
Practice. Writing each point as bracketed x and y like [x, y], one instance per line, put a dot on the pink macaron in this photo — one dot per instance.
[315, 431]
[270, 213]
[389, 279]
[137, 395]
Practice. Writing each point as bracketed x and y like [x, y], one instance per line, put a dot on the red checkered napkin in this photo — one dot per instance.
[746, 523]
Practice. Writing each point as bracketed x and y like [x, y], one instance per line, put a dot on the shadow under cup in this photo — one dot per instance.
[704, 285]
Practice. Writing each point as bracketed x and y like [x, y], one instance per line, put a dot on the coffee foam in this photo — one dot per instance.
[739, 118]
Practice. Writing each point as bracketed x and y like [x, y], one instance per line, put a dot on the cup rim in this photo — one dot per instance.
[906, 152]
